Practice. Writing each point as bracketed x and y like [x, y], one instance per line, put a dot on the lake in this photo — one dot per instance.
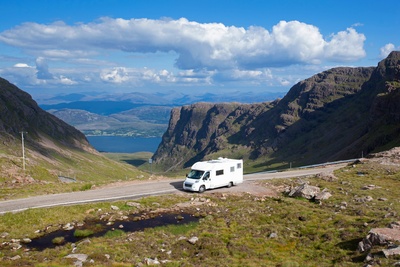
[124, 144]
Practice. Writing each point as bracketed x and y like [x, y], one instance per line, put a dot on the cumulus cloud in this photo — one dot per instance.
[42, 69]
[115, 75]
[198, 46]
[385, 50]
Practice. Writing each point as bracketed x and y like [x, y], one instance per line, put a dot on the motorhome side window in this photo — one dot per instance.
[239, 165]
[233, 169]
[219, 172]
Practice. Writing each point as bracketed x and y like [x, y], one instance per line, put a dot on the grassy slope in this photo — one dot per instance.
[235, 230]
[42, 171]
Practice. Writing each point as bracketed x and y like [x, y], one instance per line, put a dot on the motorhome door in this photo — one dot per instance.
[208, 180]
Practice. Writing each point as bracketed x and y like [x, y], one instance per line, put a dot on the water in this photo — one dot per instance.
[124, 144]
[101, 228]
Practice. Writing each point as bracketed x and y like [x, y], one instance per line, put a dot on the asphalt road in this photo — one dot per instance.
[136, 190]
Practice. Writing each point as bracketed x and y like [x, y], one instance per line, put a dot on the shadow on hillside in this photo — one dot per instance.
[350, 244]
[136, 162]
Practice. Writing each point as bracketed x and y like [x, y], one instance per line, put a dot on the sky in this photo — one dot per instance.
[50, 47]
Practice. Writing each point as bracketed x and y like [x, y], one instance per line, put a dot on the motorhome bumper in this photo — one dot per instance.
[190, 187]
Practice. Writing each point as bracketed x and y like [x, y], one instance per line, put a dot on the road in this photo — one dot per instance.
[135, 190]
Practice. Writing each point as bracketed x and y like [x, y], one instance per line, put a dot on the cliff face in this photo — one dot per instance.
[201, 129]
[337, 114]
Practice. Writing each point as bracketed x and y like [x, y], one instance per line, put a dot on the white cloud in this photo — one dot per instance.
[345, 46]
[66, 81]
[21, 65]
[42, 68]
[385, 50]
[198, 45]
[115, 75]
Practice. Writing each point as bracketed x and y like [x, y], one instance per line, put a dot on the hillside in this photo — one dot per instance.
[52, 148]
[338, 114]
[145, 121]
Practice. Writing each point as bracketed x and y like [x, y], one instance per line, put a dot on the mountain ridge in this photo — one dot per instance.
[337, 110]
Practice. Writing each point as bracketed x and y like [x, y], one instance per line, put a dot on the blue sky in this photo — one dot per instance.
[50, 47]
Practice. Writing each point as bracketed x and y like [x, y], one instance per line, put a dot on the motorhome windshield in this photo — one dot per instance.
[195, 174]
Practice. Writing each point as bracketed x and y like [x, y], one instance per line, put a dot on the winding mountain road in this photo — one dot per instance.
[135, 190]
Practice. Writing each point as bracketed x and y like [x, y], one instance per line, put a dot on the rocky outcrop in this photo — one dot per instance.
[387, 237]
[337, 114]
[198, 130]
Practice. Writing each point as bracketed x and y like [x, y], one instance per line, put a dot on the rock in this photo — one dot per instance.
[15, 258]
[4, 235]
[363, 199]
[304, 190]
[193, 240]
[26, 240]
[329, 177]
[133, 204]
[80, 259]
[391, 251]
[273, 235]
[68, 227]
[324, 194]
[114, 207]
[370, 187]
[150, 261]
[84, 242]
[395, 225]
[380, 237]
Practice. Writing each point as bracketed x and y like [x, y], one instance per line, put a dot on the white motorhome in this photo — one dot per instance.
[213, 174]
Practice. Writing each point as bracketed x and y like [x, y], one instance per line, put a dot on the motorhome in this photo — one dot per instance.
[213, 174]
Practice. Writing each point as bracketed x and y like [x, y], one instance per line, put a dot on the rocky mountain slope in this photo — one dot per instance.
[51, 146]
[19, 112]
[337, 114]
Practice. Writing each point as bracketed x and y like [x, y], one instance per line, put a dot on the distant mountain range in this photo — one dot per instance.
[338, 114]
[133, 114]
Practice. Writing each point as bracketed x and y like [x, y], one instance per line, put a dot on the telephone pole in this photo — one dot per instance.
[23, 150]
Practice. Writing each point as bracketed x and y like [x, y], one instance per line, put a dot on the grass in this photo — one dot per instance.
[236, 230]
[88, 169]
[83, 233]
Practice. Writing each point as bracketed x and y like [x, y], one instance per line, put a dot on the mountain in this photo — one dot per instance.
[49, 147]
[338, 114]
[133, 114]
[19, 112]
[106, 104]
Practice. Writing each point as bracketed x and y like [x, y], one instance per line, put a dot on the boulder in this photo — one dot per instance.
[324, 194]
[193, 240]
[380, 237]
[305, 190]
[393, 251]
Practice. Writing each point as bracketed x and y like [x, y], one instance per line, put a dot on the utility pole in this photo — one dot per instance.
[23, 150]
[150, 162]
